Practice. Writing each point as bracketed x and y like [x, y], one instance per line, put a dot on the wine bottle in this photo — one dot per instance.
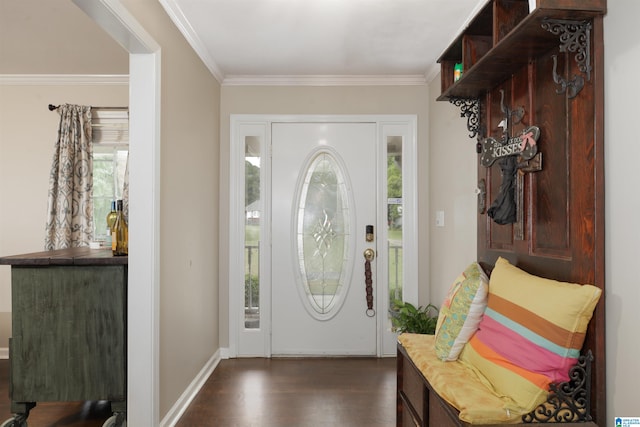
[111, 216]
[120, 233]
[111, 219]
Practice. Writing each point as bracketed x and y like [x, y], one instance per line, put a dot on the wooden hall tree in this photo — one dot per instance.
[539, 64]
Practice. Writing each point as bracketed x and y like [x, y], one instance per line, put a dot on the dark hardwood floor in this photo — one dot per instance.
[336, 392]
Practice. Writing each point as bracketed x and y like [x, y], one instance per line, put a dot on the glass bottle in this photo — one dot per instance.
[111, 216]
[111, 219]
[120, 233]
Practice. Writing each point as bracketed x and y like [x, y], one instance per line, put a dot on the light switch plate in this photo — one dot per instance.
[439, 218]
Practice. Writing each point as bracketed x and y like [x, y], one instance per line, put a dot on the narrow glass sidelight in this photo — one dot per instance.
[395, 219]
[323, 235]
[252, 219]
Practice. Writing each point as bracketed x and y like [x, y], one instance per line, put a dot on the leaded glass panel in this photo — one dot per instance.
[323, 234]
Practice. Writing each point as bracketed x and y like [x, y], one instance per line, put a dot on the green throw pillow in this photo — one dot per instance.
[461, 312]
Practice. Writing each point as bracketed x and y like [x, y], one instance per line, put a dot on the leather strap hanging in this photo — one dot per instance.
[368, 255]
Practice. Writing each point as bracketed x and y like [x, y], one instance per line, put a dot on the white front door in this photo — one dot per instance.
[297, 273]
[324, 189]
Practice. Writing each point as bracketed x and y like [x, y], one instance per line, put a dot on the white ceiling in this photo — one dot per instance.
[315, 41]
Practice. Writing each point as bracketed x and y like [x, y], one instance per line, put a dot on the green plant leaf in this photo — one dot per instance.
[406, 317]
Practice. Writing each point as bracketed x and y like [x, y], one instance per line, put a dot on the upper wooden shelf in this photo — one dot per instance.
[487, 66]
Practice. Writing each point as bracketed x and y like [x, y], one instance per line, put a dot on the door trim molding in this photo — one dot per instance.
[386, 125]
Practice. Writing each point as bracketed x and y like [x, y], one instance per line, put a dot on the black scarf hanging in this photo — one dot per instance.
[503, 208]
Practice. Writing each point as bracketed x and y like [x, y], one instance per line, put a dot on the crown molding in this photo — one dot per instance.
[432, 72]
[324, 80]
[180, 21]
[64, 79]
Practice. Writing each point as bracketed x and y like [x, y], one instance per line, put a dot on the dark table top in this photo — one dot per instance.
[71, 256]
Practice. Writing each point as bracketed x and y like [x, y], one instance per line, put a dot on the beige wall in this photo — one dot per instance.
[622, 204]
[5, 330]
[189, 205]
[189, 171]
[317, 100]
[452, 181]
[55, 37]
[28, 132]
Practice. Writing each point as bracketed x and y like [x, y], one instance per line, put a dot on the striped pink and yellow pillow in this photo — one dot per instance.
[531, 333]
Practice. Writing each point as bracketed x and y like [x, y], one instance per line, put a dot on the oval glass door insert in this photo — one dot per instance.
[322, 234]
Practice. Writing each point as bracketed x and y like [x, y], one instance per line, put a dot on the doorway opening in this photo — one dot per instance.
[144, 266]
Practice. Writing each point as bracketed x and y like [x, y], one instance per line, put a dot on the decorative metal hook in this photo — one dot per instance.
[575, 36]
[517, 115]
[572, 87]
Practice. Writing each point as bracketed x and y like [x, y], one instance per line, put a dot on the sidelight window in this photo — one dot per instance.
[253, 214]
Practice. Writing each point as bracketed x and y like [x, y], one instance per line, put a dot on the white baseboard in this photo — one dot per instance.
[4, 352]
[224, 353]
[181, 405]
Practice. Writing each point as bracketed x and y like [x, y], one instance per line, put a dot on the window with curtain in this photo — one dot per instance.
[74, 185]
[110, 153]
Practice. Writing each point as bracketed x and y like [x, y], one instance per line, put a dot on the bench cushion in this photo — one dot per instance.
[461, 312]
[530, 335]
[459, 385]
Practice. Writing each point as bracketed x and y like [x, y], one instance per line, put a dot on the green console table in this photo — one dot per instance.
[69, 330]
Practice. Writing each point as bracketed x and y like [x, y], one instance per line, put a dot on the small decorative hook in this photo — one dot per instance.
[517, 114]
[572, 87]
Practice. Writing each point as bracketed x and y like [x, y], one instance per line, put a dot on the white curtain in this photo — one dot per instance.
[70, 207]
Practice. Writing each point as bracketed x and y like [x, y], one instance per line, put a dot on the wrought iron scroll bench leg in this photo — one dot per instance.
[569, 401]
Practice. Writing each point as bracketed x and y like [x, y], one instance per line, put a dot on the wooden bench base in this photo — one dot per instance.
[418, 405]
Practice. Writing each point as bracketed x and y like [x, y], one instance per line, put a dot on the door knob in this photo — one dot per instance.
[369, 254]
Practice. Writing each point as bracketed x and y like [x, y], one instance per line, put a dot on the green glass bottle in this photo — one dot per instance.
[111, 216]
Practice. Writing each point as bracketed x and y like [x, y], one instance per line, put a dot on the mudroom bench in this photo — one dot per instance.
[506, 350]
[419, 404]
